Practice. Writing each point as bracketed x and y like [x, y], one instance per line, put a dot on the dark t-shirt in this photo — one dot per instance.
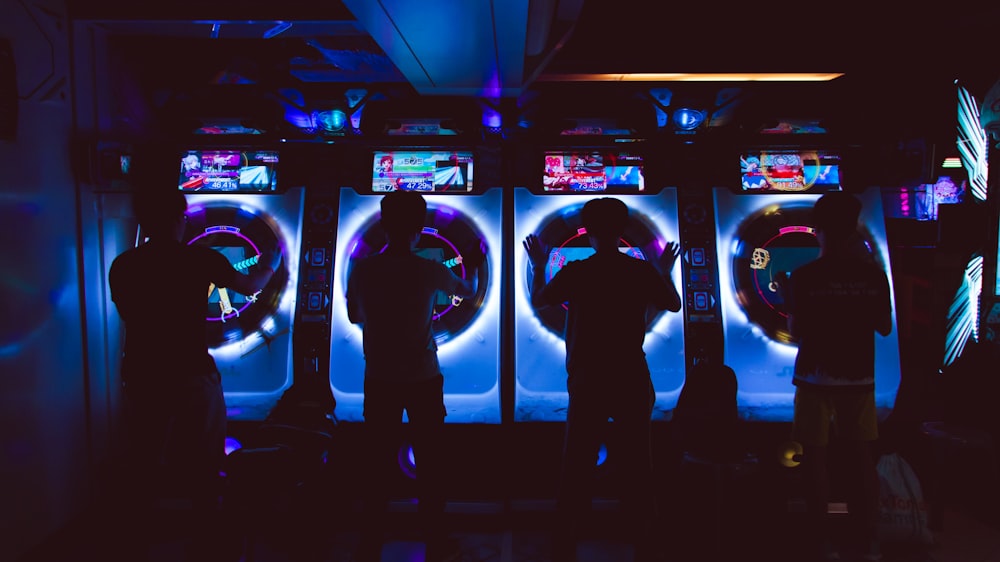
[609, 296]
[160, 289]
[836, 302]
[394, 293]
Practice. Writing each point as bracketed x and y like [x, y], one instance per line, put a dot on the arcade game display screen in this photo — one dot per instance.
[588, 170]
[422, 170]
[778, 171]
[228, 171]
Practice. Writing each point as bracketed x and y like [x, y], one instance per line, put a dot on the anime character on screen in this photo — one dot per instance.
[753, 176]
[191, 164]
[192, 176]
[383, 168]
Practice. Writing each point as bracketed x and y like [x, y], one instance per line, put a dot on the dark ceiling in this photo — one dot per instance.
[899, 62]
[874, 38]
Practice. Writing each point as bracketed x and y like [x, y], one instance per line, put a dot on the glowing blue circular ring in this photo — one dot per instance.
[222, 229]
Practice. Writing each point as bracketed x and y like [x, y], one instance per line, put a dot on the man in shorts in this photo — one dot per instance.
[836, 305]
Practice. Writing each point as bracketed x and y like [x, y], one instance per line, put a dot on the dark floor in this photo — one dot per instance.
[518, 531]
[758, 516]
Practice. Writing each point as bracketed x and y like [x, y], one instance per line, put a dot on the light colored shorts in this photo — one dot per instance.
[851, 415]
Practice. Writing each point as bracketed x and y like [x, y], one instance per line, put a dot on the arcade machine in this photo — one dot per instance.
[238, 205]
[763, 228]
[463, 216]
[550, 208]
[412, 147]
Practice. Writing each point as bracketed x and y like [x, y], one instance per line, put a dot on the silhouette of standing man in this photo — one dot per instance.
[392, 295]
[609, 295]
[836, 305]
[175, 409]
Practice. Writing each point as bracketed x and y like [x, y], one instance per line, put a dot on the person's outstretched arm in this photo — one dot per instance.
[473, 260]
[258, 275]
[665, 265]
[538, 255]
[466, 288]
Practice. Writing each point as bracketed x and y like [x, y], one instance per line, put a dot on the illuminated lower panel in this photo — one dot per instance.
[759, 235]
[250, 336]
[540, 350]
[468, 335]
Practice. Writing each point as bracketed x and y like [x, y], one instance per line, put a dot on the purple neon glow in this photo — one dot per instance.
[235, 231]
[491, 118]
[406, 460]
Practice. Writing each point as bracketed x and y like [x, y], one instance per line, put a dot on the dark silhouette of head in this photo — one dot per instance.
[605, 218]
[160, 212]
[835, 215]
[403, 215]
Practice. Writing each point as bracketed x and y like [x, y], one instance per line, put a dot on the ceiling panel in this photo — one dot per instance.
[447, 47]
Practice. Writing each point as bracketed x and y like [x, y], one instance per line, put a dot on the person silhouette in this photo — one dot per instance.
[609, 296]
[391, 295]
[836, 304]
[174, 406]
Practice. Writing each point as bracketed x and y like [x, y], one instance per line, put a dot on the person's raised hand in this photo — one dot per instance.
[671, 251]
[538, 252]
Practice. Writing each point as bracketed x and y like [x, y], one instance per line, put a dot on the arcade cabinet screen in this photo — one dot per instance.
[228, 171]
[773, 171]
[428, 171]
[569, 171]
